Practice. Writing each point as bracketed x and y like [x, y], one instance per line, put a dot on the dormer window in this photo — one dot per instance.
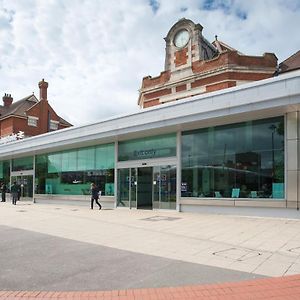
[53, 125]
[33, 121]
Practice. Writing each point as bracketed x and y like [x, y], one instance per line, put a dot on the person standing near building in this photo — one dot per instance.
[95, 195]
[14, 192]
[3, 192]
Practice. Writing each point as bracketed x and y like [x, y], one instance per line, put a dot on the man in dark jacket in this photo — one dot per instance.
[95, 195]
[14, 192]
[3, 191]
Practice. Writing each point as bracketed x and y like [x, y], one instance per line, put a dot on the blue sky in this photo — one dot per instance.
[95, 53]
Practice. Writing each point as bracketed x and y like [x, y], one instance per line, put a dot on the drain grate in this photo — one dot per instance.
[21, 210]
[75, 209]
[237, 254]
[160, 218]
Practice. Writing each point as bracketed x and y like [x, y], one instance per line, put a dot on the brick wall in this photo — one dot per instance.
[151, 103]
[157, 94]
[181, 57]
[159, 80]
[220, 86]
[220, 72]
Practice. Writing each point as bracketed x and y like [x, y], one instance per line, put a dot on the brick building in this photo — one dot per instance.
[194, 66]
[29, 115]
[290, 64]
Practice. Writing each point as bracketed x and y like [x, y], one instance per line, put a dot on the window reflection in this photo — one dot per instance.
[71, 172]
[244, 160]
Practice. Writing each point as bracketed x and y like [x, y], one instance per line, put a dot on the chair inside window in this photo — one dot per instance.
[235, 193]
[218, 194]
[253, 194]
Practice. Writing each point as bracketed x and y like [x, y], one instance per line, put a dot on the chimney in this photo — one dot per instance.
[7, 99]
[43, 85]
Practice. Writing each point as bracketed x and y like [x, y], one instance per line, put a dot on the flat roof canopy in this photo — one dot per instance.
[255, 100]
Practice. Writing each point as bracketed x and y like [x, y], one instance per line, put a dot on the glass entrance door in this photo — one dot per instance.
[164, 187]
[144, 188]
[25, 184]
[127, 188]
[147, 187]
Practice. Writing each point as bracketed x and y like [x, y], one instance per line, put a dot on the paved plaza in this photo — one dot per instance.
[72, 248]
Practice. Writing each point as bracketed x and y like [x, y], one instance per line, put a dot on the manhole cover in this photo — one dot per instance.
[57, 208]
[237, 254]
[160, 218]
[21, 210]
[74, 209]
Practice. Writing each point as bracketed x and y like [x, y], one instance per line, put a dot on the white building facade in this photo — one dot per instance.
[233, 147]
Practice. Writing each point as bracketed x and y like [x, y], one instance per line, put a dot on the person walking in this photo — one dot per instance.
[95, 195]
[14, 192]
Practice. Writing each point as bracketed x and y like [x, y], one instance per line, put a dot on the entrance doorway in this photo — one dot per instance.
[25, 183]
[147, 187]
[144, 188]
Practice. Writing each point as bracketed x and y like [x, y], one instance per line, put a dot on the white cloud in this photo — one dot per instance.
[94, 54]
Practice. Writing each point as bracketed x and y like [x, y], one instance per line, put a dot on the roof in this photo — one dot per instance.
[222, 47]
[64, 122]
[290, 64]
[18, 108]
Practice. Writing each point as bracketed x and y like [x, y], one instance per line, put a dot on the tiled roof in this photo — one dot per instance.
[290, 64]
[18, 108]
[64, 122]
[221, 46]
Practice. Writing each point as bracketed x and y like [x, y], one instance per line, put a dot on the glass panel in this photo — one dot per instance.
[133, 187]
[105, 156]
[244, 160]
[69, 161]
[164, 187]
[72, 172]
[54, 163]
[4, 171]
[148, 147]
[21, 164]
[25, 184]
[168, 187]
[123, 187]
[86, 159]
[156, 187]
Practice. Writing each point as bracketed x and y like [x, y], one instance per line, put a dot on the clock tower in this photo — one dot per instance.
[185, 45]
[194, 66]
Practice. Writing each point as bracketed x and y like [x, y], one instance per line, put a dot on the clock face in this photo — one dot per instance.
[181, 38]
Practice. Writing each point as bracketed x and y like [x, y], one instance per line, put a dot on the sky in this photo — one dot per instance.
[94, 53]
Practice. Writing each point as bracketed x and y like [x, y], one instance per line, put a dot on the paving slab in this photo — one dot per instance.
[33, 261]
[234, 242]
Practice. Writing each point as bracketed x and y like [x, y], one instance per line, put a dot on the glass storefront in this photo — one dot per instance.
[244, 160]
[71, 172]
[236, 161]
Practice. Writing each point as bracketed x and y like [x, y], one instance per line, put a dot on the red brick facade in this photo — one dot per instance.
[15, 116]
[181, 57]
[200, 67]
